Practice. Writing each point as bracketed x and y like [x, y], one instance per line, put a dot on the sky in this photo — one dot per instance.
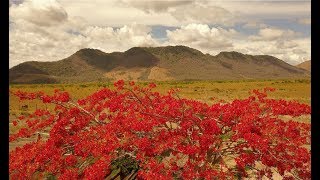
[50, 30]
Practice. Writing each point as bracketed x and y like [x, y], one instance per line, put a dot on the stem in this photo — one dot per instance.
[135, 95]
[284, 162]
[79, 107]
[183, 106]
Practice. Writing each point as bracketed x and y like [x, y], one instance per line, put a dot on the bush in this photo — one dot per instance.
[162, 136]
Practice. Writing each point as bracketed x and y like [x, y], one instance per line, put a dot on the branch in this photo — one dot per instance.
[85, 111]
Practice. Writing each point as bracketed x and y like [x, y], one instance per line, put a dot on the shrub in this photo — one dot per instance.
[162, 136]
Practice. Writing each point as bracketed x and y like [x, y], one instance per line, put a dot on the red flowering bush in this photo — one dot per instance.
[161, 136]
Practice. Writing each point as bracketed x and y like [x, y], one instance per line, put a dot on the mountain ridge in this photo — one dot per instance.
[154, 63]
[305, 65]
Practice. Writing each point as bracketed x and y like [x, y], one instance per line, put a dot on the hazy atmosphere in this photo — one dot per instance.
[50, 30]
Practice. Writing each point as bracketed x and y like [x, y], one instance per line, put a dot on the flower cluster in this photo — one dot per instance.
[167, 136]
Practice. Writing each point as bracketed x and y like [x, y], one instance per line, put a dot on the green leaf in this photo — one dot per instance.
[51, 177]
[226, 136]
[166, 153]
[247, 167]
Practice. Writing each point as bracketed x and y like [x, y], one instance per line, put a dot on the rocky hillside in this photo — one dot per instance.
[305, 65]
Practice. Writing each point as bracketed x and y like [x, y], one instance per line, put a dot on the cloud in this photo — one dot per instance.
[110, 39]
[30, 42]
[11, 2]
[49, 30]
[36, 41]
[293, 51]
[304, 21]
[183, 12]
[155, 6]
[202, 37]
[39, 12]
[114, 13]
[190, 11]
[56, 43]
[254, 25]
[201, 13]
[286, 44]
[281, 43]
[270, 34]
[266, 9]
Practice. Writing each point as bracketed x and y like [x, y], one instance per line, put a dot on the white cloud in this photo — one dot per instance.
[30, 40]
[266, 9]
[48, 30]
[270, 34]
[115, 14]
[202, 37]
[202, 13]
[109, 39]
[216, 12]
[16, 2]
[283, 44]
[181, 12]
[184, 12]
[154, 6]
[57, 43]
[254, 24]
[292, 51]
[39, 12]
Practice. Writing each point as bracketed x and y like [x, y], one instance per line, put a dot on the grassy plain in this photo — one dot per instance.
[299, 89]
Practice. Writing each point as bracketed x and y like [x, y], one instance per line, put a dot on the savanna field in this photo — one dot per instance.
[247, 139]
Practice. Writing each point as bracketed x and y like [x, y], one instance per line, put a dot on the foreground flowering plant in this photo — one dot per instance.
[162, 136]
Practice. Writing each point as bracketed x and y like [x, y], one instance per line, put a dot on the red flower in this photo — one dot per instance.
[71, 160]
[131, 83]
[119, 84]
[152, 85]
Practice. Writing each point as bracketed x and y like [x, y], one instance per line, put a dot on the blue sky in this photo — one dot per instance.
[159, 31]
[49, 30]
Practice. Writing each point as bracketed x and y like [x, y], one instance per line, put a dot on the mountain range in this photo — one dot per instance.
[154, 63]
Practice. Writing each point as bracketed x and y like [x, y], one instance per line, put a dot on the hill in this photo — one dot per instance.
[154, 63]
[305, 65]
